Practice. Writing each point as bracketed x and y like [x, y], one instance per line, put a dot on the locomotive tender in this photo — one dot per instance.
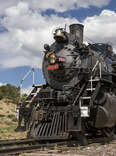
[79, 97]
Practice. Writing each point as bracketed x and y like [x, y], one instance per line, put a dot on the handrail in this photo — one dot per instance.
[26, 75]
[32, 70]
[98, 63]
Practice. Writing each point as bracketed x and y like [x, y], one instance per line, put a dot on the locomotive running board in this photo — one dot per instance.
[56, 129]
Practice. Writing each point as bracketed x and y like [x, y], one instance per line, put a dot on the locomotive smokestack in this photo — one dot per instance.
[77, 31]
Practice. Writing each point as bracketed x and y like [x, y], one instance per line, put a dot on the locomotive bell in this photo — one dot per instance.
[60, 35]
[76, 31]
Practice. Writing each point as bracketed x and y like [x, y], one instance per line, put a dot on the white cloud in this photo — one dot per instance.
[2, 84]
[13, 55]
[64, 5]
[25, 38]
[57, 5]
[6, 4]
[96, 3]
[101, 28]
[29, 30]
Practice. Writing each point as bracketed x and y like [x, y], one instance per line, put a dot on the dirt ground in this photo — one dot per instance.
[95, 149]
[8, 123]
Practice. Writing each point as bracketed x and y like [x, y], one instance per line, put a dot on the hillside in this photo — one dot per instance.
[8, 121]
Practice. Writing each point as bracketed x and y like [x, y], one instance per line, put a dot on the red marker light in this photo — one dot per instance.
[62, 59]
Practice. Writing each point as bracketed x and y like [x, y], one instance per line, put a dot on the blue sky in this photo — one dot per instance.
[26, 25]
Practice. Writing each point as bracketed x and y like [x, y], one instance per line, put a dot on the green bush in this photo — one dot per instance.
[10, 92]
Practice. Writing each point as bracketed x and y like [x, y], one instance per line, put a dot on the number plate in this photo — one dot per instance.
[53, 67]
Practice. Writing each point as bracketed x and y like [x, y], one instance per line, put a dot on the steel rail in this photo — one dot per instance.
[27, 145]
[28, 148]
[33, 140]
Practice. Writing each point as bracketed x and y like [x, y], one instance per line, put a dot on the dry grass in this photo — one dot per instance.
[8, 121]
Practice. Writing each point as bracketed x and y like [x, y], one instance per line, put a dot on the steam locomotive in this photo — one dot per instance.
[79, 97]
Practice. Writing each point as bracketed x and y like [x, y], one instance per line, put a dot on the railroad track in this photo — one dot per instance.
[13, 147]
[26, 145]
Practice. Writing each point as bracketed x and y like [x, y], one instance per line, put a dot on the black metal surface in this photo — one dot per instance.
[56, 129]
[77, 31]
[78, 77]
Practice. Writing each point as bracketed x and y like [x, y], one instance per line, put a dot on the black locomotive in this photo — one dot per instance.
[79, 97]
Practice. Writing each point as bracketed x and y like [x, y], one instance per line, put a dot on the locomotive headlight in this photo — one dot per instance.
[52, 58]
[52, 61]
[52, 55]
